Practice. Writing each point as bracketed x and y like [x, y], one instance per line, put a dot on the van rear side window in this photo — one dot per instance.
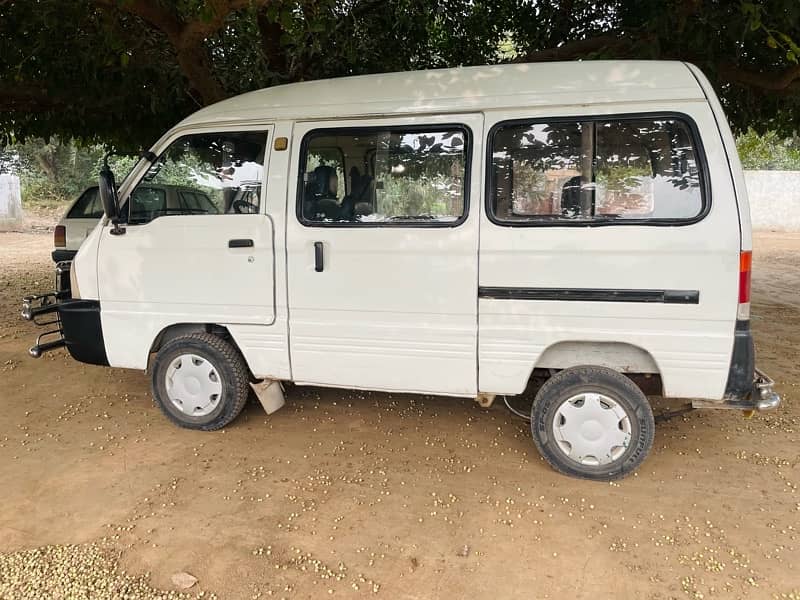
[596, 171]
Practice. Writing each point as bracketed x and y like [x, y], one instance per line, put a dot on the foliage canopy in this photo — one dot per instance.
[122, 71]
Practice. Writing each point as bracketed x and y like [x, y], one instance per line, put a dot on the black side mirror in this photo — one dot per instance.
[108, 195]
[108, 192]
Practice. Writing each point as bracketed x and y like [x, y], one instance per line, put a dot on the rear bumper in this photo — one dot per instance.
[760, 397]
[748, 388]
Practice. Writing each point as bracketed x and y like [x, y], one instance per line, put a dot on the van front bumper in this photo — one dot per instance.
[74, 324]
[71, 323]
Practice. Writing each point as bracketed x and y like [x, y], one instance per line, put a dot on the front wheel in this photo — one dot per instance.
[200, 381]
[592, 423]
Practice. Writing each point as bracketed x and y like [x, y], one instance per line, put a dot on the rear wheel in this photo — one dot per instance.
[200, 381]
[592, 423]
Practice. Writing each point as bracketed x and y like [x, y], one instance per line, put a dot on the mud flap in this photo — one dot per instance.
[270, 394]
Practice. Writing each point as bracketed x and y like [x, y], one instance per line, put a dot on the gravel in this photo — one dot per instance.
[77, 572]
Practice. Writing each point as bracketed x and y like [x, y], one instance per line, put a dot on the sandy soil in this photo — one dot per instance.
[355, 494]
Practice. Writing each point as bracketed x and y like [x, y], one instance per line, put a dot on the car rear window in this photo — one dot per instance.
[88, 206]
[146, 204]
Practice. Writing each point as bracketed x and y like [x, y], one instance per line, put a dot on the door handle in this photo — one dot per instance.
[319, 261]
[240, 243]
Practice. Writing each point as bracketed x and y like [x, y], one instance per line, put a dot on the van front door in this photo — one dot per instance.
[382, 254]
[197, 246]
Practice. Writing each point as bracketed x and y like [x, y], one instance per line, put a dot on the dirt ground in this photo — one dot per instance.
[351, 494]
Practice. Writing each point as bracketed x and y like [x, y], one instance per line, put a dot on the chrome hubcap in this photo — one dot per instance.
[592, 429]
[193, 385]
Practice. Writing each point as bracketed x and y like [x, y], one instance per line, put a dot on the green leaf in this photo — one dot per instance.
[124, 59]
[772, 42]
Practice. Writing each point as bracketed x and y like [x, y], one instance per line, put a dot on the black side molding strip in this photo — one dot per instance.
[591, 295]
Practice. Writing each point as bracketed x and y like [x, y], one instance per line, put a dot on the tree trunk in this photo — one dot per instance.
[270, 34]
[195, 63]
[47, 164]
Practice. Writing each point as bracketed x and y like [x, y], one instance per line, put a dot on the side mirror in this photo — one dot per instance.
[108, 195]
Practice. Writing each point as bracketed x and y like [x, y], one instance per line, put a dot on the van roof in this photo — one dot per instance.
[462, 89]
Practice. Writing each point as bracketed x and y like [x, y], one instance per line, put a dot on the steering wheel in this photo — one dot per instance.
[242, 207]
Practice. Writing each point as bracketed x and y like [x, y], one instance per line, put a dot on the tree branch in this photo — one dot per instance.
[773, 82]
[150, 12]
[198, 30]
[28, 97]
[574, 49]
[270, 33]
[34, 97]
[187, 37]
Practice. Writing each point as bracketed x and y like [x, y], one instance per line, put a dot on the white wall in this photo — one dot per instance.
[774, 199]
[10, 200]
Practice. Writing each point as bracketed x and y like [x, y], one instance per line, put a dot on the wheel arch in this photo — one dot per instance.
[170, 332]
[629, 359]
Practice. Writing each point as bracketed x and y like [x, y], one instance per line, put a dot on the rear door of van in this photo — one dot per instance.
[615, 226]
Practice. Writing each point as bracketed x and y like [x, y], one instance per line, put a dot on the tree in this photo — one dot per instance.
[122, 71]
[768, 151]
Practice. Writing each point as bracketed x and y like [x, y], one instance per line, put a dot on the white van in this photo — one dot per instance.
[580, 228]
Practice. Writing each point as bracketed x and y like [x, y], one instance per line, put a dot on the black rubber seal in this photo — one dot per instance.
[591, 295]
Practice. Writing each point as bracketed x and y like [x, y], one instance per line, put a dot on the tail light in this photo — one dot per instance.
[60, 237]
[745, 268]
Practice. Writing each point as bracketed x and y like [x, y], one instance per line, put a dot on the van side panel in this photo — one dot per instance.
[387, 307]
[179, 269]
[690, 343]
[737, 172]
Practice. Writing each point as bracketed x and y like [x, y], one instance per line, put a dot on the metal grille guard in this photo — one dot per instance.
[37, 308]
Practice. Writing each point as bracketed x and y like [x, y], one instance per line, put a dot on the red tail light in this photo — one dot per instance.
[60, 237]
[745, 268]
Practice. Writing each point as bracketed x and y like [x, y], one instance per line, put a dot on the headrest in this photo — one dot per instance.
[321, 181]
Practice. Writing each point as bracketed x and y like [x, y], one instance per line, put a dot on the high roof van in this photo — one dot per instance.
[578, 231]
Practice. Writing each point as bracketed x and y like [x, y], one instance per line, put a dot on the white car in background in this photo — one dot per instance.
[148, 201]
[80, 218]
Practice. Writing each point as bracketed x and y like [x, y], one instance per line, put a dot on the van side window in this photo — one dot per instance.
[408, 176]
[595, 171]
[202, 174]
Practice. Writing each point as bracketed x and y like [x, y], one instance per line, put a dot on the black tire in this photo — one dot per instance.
[577, 380]
[227, 362]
